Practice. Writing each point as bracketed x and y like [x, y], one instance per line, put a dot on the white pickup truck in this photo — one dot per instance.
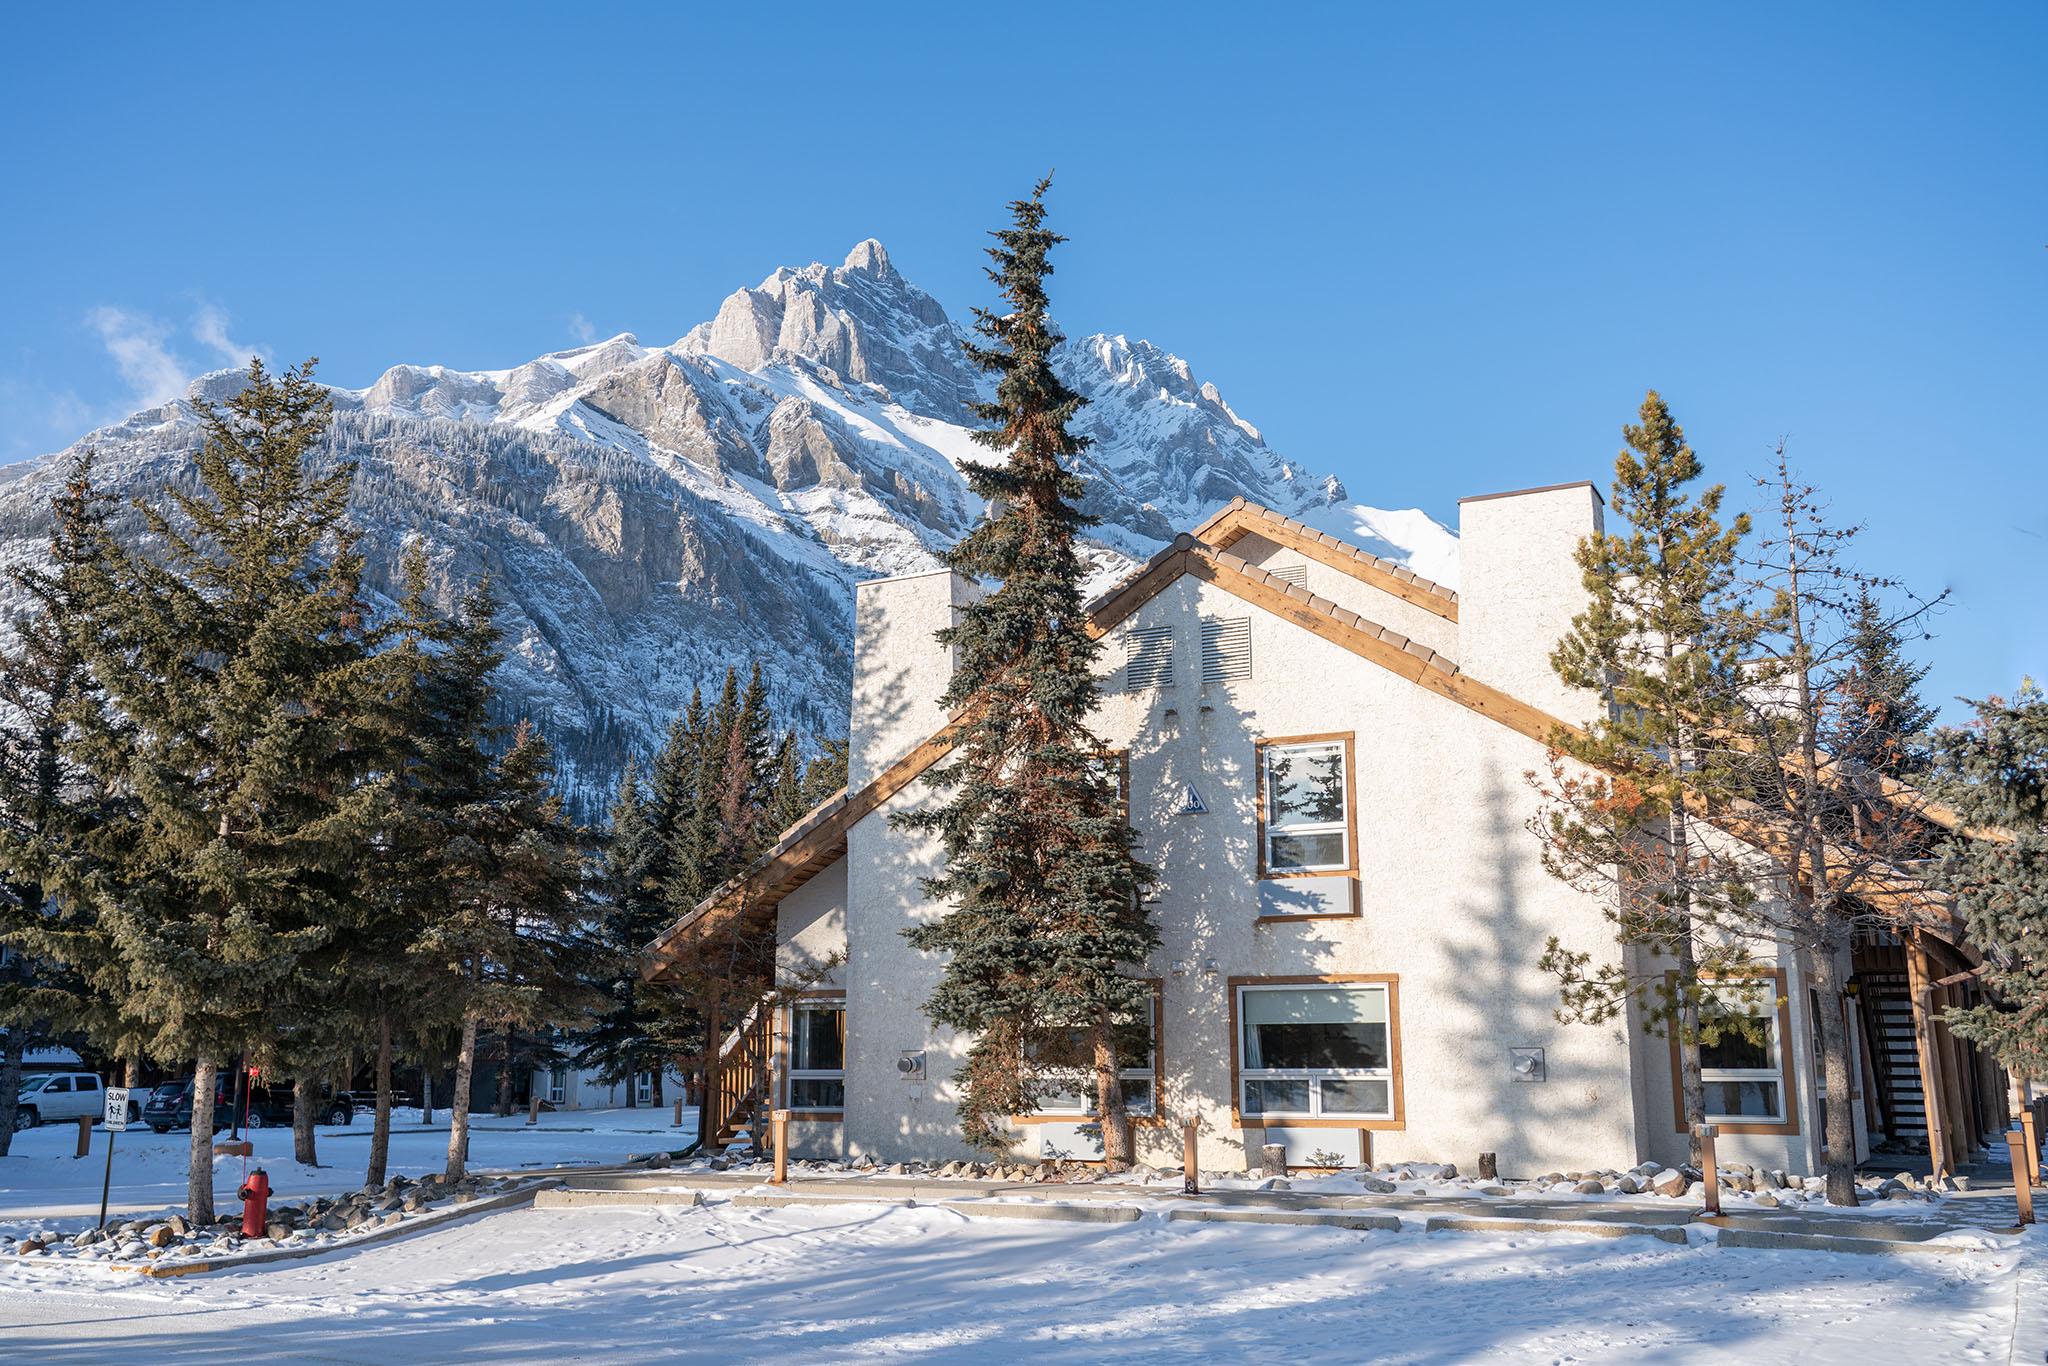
[52, 1097]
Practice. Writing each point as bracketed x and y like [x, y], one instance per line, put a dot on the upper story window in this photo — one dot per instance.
[1305, 806]
[1226, 649]
[1148, 657]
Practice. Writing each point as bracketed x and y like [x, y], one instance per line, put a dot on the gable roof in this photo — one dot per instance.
[820, 837]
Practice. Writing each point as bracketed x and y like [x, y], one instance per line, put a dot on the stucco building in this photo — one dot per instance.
[1327, 760]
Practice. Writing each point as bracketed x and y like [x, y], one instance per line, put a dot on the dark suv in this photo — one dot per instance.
[170, 1107]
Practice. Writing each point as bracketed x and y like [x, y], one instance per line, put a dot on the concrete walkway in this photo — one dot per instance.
[1779, 1228]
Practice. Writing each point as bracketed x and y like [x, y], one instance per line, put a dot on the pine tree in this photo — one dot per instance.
[622, 1039]
[1883, 726]
[511, 936]
[786, 805]
[1047, 918]
[826, 774]
[1994, 772]
[46, 801]
[226, 654]
[1663, 635]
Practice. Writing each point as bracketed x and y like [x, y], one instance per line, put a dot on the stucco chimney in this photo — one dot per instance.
[899, 671]
[1519, 587]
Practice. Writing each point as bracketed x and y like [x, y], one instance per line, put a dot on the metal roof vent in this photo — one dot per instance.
[1148, 658]
[1226, 649]
[1296, 574]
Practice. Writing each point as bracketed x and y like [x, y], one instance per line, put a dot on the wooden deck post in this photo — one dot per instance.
[1191, 1161]
[2028, 1128]
[84, 1136]
[1940, 1157]
[679, 1111]
[533, 1110]
[778, 1128]
[2022, 1188]
[1710, 1176]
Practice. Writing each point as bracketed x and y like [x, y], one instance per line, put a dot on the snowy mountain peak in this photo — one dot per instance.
[652, 515]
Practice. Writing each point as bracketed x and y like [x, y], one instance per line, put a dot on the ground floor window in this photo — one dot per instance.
[817, 1054]
[1070, 1055]
[1315, 1050]
[1742, 1064]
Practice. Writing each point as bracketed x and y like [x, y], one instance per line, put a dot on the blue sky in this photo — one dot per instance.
[1436, 250]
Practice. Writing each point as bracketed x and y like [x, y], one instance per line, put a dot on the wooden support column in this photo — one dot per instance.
[2022, 1187]
[1941, 1160]
[1710, 1175]
[1191, 1159]
[778, 1127]
[2028, 1128]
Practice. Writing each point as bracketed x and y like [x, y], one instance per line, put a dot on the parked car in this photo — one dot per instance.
[170, 1106]
[50, 1097]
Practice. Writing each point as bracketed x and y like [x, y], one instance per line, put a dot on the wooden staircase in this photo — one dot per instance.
[741, 1079]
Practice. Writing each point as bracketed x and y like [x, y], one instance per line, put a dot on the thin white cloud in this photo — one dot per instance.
[139, 345]
[581, 328]
[210, 329]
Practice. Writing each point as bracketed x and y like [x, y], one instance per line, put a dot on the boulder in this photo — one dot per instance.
[1962, 1183]
[1550, 1178]
[1766, 1200]
[87, 1238]
[1591, 1187]
[1493, 1190]
[278, 1231]
[162, 1235]
[414, 1202]
[1378, 1185]
[30, 1246]
[1629, 1184]
[334, 1221]
[1673, 1184]
[178, 1225]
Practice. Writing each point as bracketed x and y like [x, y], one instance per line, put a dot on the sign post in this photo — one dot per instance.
[116, 1119]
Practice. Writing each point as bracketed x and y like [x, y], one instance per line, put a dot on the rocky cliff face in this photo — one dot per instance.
[651, 514]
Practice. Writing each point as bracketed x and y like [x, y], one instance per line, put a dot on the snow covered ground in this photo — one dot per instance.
[860, 1282]
[41, 1180]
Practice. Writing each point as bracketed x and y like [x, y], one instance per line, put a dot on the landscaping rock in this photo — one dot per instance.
[1448, 1172]
[279, 1231]
[30, 1247]
[1591, 1187]
[1673, 1184]
[160, 1235]
[334, 1221]
[1550, 1178]
[1493, 1190]
[1962, 1183]
[1630, 1184]
[414, 1203]
[1766, 1200]
[1378, 1185]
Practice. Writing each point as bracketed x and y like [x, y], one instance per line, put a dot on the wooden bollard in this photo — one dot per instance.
[778, 1129]
[1489, 1166]
[84, 1136]
[1273, 1159]
[1710, 1177]
[1191, 1159]
[679, 1112]
[2031, 1129]
[533, 1111]
[2023, 1193]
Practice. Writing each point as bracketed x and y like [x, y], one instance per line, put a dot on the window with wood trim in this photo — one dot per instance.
[1315, 1050]
[817, 1054]
[1148, 657]
[1742, 1068]
[1069, 1055]
[1305, 814]
[1226, 649]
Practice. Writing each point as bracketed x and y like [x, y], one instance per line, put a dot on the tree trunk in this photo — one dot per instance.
[199, 1174]
[657, 1101]
[132, 1075]
[380, 1127]
[1109, 1097]
[10, 1084]
[502, 1107]
[1838, 1131]
[632, 1070]
[707, 1122]
[426, 1095]
[458, 1104]
[305, 1110]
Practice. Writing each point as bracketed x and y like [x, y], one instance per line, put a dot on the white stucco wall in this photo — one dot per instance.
[899, 671]
[1454, 903]
[1519, 587]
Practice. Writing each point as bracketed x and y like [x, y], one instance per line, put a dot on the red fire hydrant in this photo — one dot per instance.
[255, 1195]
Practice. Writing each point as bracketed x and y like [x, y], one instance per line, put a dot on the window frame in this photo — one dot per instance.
[1348, 825]
[1390, 984]
[558, 1086]
[1155, 1074]
[785, 1019]
[1785, 1074]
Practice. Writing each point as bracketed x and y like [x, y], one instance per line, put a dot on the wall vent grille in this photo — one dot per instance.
[1148, 659]
[1226, 649]
[1296, 574]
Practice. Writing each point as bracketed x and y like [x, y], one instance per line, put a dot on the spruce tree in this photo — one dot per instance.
[226, 650]
[1046, 920]
[1883, 726]
[1663, 635]
[1994, 772]
[622, 1038]
[52, 980]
